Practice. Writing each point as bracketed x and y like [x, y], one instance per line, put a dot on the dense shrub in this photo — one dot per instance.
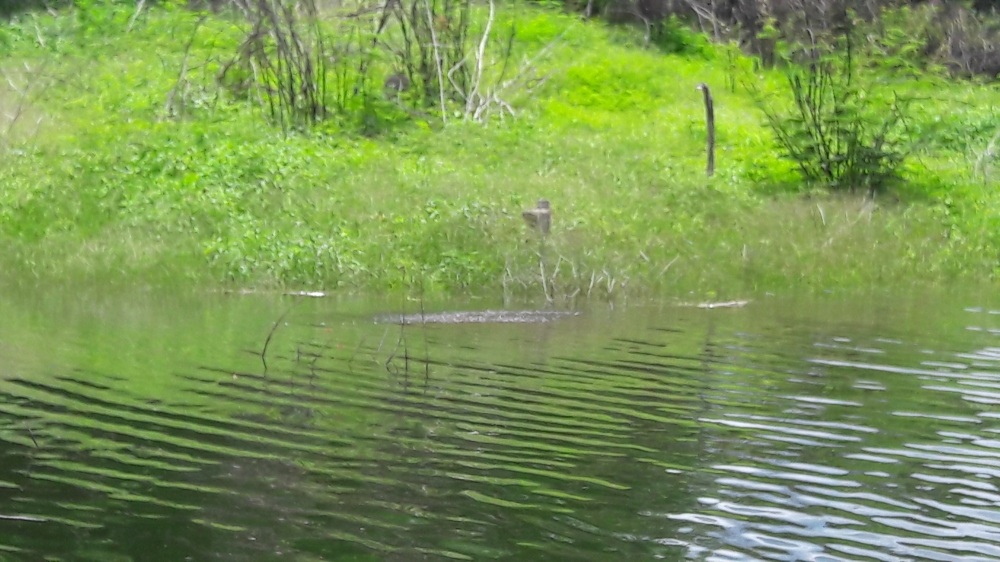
[840, 131]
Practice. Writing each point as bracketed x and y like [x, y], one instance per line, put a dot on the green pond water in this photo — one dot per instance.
[147, 427]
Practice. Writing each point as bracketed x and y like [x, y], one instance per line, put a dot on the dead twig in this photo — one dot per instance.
[525, 79]
[169, 107]
[667, 267]
[267, 340]
[401, 340]
[423, 323]
[437, 61]
[23, 96]
[138, 10]
[38, 31]
[480, 55]
[545, 287]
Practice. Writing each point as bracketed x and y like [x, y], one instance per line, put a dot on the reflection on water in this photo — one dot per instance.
[835, 429]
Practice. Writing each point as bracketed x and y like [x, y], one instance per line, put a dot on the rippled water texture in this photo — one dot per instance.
[142, 428]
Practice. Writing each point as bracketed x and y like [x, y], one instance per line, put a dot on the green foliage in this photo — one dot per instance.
[674, 36]
[906, 41]
[839, 131]
[421, 61]
[114, 183]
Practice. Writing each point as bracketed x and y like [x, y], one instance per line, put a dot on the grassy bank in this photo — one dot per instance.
[101, 178]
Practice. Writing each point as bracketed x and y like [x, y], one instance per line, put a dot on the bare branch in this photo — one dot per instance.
[135, 16]
[437, 60]
[480, 55]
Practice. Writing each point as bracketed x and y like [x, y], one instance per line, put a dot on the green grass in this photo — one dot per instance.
[98, 182]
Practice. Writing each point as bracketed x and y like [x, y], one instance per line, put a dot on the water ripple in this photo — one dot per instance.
[686, 435]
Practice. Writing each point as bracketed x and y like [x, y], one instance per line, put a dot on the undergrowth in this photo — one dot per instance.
[100, 179]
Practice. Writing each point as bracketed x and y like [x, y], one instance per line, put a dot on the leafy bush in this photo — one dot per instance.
[839, 132]
[673, 36]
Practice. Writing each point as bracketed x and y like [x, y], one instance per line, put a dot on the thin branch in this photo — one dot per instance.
[267, 341]
[135, 16]
[23, 95]
[451, 78]
[38, 31]
[182, 75]
[480, 55]
[437, 60]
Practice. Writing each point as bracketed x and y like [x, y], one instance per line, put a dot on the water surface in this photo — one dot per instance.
[146, 427]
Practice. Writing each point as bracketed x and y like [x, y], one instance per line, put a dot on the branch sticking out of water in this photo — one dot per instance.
[423, 323]
[400, 340]
[267, 341]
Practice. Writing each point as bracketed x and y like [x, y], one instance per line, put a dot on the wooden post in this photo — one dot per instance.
[710, 126]
[540, 217]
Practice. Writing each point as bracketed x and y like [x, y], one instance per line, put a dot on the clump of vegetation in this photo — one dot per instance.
[840, 131]
[427, 60]
[283, 58]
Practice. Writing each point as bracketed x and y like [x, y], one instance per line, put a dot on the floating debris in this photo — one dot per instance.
[477, 317]
[313, 294]
[249, 292]
[711, 305]
[724, 304]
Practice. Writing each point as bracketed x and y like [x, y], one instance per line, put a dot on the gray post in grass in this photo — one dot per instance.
[710, 125]
[540, 217]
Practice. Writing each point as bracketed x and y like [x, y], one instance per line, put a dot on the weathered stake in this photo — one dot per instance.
[540, 217]
[710, 125]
